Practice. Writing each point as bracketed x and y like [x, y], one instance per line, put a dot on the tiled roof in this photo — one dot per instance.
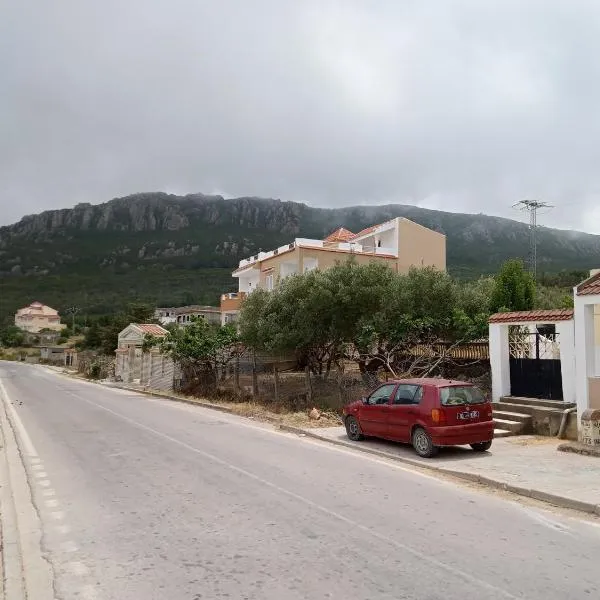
[365, 231]
[533, 316]
[340, 235]
[590, 286]
[152, 329]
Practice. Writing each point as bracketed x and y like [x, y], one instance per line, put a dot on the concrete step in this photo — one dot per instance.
[526, 409]
[512, 416]
[561, 405]
[515, 427]
[500, 433]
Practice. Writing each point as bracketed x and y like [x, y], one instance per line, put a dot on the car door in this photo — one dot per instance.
[374, 412]
[404, 411]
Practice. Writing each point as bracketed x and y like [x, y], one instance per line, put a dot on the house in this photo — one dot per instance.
[183, 315]
[54, 355]
[149, 369]
[36, 317]
[399, 243]
[587, 342]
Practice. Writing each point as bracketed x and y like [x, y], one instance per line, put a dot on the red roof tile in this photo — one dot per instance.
[152, 329]
[339, 235]
[533, 316]
[590, 286]
[365, 231]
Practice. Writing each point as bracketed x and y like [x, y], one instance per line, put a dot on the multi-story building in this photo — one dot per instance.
[399, 243]
[183, 315]
[36, 317]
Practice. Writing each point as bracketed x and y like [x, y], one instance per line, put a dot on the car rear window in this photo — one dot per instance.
[456, 395]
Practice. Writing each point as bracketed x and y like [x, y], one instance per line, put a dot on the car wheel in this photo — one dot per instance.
[423, 444]
[482, 446]
[353, 429]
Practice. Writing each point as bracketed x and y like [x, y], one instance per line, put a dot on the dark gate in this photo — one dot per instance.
[534, 365]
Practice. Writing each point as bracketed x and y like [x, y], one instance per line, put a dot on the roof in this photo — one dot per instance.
[339, 235]
[533, 316]
[151, 328]
[589, 287]
[365, 231]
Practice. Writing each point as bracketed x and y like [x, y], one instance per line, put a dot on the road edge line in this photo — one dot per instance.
[35, 572]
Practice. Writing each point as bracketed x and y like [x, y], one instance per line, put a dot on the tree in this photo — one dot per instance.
[11, 337]
[200, 348]
[514, 288]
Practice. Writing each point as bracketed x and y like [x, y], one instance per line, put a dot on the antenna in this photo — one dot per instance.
[532, 206]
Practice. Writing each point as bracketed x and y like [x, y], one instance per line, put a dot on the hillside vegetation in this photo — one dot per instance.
[165, 249]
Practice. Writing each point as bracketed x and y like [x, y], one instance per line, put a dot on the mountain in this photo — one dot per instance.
[168, 249]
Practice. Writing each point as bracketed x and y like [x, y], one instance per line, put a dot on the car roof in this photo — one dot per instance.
[432, 381]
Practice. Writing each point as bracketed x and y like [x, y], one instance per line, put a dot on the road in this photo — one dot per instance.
[142, 498]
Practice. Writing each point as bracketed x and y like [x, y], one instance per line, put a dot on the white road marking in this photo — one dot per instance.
[78, 568]
[36, 461]
[88, 592]
[37, 466]
[51, 503]
[44, 482]
[41, 474]
[547, 521]
[48, 492]
[28, 447]
[59, 515]
[69, 546]
[316, 506]
[63, 529]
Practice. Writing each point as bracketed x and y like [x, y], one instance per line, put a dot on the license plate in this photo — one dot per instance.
[469, 414]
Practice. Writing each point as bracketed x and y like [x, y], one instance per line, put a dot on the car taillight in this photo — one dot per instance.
[438, 416]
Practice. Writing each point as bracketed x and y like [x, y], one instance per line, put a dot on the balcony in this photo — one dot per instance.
[232, 301]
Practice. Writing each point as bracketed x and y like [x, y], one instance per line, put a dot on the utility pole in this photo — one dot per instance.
[72, 310]
[532, 206]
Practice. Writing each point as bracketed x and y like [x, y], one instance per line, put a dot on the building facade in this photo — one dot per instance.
[184, 315]
[399, 243]
[36, 317]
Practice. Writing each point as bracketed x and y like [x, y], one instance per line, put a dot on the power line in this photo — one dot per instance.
[532, 206]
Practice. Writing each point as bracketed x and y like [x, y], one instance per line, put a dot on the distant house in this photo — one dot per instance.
[36, 317]
[183, 315]
[149, 369]
[54, 355]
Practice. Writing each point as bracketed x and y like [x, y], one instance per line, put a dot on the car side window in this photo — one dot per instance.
[408, 394]
[381, 395]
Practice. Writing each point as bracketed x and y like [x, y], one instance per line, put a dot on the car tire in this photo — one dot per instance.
[482, 446]
[423, 444]
[353, 429]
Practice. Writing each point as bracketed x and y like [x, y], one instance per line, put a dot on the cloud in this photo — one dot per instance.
[459, 105]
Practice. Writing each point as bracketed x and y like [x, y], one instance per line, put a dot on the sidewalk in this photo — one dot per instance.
[526, 465]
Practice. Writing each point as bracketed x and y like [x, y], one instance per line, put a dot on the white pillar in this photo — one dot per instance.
[499, 361]
[566, 340]
[584, 352]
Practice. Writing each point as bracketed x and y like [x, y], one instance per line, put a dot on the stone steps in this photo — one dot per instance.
[561, 405]
[515, 427]
[500, 433]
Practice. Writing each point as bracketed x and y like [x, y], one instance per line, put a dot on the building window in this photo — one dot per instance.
[269, 282]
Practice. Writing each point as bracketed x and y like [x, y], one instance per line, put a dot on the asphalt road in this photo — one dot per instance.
[148, 499]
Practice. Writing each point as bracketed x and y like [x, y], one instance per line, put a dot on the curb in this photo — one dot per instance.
[548, 498]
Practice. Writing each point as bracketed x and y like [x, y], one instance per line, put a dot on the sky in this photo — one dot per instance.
[458, 105]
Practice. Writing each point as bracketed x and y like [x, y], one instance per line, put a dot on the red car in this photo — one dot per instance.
[428, 413]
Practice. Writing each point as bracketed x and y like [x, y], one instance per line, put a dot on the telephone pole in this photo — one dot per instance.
[72, 310]
[532, 206]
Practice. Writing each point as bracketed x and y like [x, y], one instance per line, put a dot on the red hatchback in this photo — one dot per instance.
[428, 413]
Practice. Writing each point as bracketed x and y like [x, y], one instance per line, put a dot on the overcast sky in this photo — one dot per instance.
[461, 105]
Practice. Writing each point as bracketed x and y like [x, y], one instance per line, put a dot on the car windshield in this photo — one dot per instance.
[457, 395]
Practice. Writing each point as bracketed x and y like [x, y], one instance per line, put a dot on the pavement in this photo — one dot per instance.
[142, 498]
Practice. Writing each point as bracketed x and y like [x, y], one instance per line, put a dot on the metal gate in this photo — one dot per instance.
[535, 364]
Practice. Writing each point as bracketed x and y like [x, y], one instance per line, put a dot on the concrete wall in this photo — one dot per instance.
[420, 247]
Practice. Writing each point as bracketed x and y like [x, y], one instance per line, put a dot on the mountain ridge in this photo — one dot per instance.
[170, 249]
